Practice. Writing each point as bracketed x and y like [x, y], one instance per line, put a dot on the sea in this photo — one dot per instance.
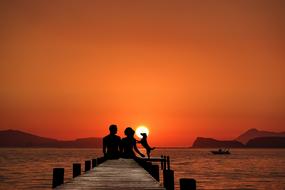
[244, 169]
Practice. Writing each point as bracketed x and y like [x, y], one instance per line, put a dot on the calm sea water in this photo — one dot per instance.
[244, 169]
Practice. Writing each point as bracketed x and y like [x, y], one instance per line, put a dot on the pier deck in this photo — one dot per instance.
[114, 174]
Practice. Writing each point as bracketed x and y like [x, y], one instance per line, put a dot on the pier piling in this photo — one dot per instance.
[76, 169]
[161, 162]
[168, 162]
[87, 165]
[148, 166]
[187, 184]
[168, 179]
[155, 172]
[100, 160]
[94, 163]
[57, 177]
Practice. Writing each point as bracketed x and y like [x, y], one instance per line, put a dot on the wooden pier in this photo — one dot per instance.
[115, 174]
[122, 174]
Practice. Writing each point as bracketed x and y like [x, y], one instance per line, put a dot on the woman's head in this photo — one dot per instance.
[129, 132]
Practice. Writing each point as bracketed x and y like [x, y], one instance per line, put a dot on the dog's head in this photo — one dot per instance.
[144, 135]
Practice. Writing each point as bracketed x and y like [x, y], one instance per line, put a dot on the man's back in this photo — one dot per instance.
[111, 145]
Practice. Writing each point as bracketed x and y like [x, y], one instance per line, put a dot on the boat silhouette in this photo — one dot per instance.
[221, 151]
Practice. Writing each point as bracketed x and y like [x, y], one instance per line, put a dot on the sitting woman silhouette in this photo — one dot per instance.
[128, 144]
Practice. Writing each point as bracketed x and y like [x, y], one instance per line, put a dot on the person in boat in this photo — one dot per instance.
[111, 144]
[128, 145]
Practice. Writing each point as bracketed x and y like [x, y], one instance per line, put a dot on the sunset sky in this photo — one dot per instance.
[184, 68]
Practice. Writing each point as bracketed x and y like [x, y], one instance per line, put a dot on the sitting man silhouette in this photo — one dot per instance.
[128, 144]
[111, 144]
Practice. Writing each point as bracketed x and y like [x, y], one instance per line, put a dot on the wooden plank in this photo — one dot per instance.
[114, 174]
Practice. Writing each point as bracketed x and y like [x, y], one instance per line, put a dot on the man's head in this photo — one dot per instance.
[113, 129]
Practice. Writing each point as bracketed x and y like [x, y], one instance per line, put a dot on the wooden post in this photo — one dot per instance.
[94, 163]
[155, 172]
[101, 160]
[57, 177]
[164, 162]
[187, 184]
[87, 165]
[76, 169]
[168, 179]
[161, 162]
[147, 167]
[168, 162]
[98, 161]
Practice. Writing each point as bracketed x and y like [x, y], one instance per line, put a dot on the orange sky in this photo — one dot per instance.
[192, 68]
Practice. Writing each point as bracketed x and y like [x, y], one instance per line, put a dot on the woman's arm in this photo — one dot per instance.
[137, 150]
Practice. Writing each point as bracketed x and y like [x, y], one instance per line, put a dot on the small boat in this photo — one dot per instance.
[220, 151]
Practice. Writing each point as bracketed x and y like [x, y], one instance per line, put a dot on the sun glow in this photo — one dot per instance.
[142, 129]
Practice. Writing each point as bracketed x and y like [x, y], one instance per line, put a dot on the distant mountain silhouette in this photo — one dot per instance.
[202, 142]
[266, 142]
[15, 138]
[254, 133]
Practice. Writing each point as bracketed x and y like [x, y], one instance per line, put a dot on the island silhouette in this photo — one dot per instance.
[16, 138]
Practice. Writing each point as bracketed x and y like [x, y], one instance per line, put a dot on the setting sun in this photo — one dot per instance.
[142, 129]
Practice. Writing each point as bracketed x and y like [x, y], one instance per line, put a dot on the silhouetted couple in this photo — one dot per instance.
[114, 147]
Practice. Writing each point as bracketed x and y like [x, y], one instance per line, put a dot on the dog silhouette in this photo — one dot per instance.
[145, 144]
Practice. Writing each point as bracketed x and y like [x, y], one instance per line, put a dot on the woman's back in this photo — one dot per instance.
[127, 147]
